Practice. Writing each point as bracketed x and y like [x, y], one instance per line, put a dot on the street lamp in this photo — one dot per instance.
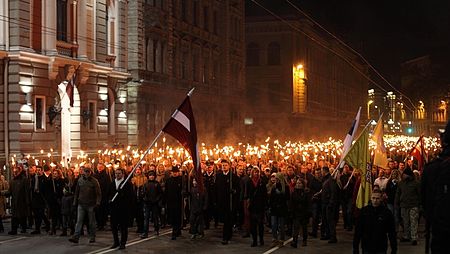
[299, 89]
[368, 108]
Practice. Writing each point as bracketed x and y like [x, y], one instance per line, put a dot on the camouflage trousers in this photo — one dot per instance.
[410, 217]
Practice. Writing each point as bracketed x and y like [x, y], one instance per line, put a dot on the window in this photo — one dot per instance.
[92, 110]
[195, 66]
[252, 54]
[39, 113]
[205, 77]
[184, 65]
[61, 28]
[215, 22]
[195, 14]
[206, 18]
[174, 62]
[183, 10]
[273, 54]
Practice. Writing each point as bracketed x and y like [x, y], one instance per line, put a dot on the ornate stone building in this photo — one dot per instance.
[49, 51]
[296, 87]
[179, 44]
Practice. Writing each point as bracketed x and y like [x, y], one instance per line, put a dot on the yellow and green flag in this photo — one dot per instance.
[359, 158]
[379, 156]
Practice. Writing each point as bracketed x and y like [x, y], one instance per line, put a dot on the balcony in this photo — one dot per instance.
[66, 48]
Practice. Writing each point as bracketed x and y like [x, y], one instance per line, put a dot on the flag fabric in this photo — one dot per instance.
[182, 127]
[349, 138]
[379, 157]
[419, 153]
[358, 157]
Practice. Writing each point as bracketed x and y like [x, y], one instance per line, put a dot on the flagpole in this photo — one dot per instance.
[148, 150]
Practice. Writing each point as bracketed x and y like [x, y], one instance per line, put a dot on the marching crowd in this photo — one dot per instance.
[289, 199]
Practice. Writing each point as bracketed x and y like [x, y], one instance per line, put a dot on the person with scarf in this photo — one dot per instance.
[257, 202]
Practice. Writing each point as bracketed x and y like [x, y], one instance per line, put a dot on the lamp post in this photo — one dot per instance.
[369, 102]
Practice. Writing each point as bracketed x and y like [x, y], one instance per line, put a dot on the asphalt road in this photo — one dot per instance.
[211, 243]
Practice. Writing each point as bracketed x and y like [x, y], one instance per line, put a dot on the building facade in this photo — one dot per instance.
[296, 87]
[63, 78]
[427, 83]
[179, 44]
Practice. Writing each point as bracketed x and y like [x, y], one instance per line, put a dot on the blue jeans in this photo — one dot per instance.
[278, 227]
[82, 211]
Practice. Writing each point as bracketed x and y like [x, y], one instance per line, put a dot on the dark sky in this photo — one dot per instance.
[385, 32]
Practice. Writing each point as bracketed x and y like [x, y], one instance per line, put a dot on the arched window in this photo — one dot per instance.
[273, 54]
[252, 54]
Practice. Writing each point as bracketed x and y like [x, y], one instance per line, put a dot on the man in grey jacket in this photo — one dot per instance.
[87, 196]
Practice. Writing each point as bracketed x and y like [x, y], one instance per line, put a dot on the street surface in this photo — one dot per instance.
[211, 243]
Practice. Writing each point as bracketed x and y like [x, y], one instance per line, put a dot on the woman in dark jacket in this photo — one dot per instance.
[257, 203]
[278, 200]
[299, 204]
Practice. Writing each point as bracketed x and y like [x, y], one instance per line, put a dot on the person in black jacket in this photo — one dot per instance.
[299, 204]
[152, 196]
[174, 199]
[227, 190]
[120, 208]
[37, 200]
[257, 203]
[330, 202]
[374, 225]
[101, 212]
[209, 178]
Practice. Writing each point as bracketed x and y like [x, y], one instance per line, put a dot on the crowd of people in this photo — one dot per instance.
[249, 199]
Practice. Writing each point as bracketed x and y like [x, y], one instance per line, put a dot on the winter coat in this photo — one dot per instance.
[120, 207]
[19, 190]
[373, 227]
[4, 187]
[67, 204]
[223, 192]
[278, 201]
[408, 193]
[152, 192]
[299, 205]
[257, 196]
[88, 192]
[199, 201]
[330, 192]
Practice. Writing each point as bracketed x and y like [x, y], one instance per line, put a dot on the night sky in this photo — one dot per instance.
[385, 32]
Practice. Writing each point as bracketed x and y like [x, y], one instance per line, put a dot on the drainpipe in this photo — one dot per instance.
[6, 114]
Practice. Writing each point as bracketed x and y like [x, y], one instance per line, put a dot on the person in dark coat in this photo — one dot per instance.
[330, 202]
[299, 204]
[278, 203]
[152, 196]
[67, 211]
[435, 184]
[315, 186]
[20, 200]
[101, 212]
[227, 196]
[120, 208]
[37, 200]
[209, 179]
[373, 227]
[199, 202]
[174, 201]
[257, 203]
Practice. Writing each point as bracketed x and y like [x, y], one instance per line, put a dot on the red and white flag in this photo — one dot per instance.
[71, 86]
[181, 126]
[419, 153]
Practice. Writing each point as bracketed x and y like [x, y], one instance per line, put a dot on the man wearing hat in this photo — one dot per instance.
[87, 196]
[174, 200]
[408, 199]
[436, 197]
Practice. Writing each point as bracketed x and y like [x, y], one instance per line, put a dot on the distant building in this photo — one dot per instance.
[426, 80]
[50, 49]
[295, 86]
[181, 44]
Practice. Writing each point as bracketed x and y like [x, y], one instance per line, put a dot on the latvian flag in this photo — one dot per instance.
[182, 127]
[71, 86]
[419, 153]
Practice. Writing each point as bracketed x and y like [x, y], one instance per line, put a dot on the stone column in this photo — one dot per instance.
[49, 27]
[82, 29]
